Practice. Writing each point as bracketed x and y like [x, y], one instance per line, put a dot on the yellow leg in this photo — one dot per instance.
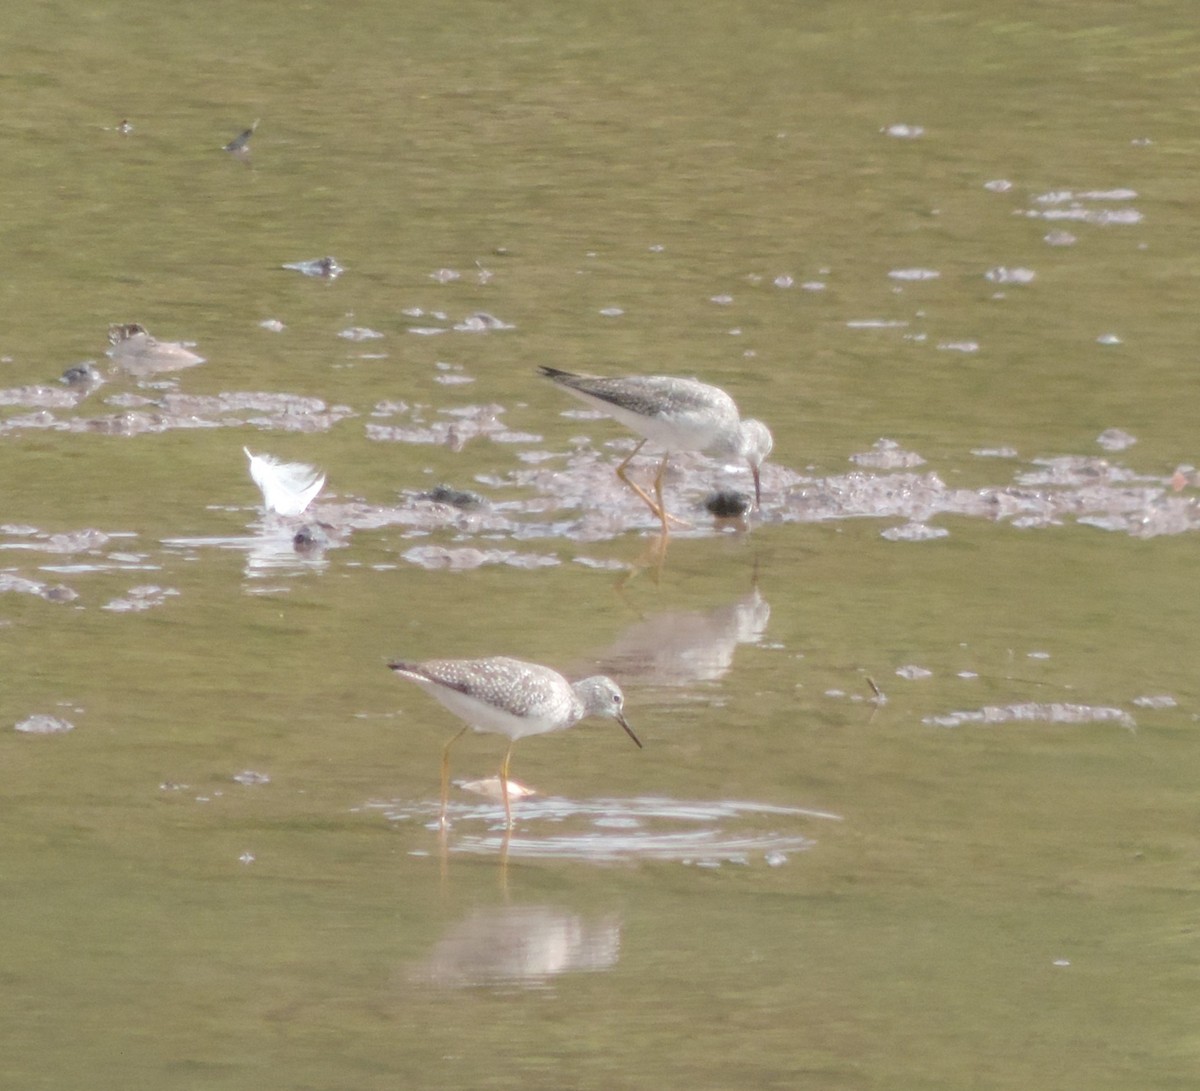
[662, 508]
[646, 498]
[446, 774]
[665, 515]
[508, 822]
[659, 509]
[504, 862]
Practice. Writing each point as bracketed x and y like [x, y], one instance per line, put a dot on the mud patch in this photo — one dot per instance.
[137, 353]
[142, 414]
[141, 598]
[1035, 712]
[42, 724]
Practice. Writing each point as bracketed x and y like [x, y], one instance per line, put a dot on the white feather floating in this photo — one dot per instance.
[287, 487]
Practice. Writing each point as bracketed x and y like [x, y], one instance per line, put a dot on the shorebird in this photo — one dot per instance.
[513, 698]
[677, 415]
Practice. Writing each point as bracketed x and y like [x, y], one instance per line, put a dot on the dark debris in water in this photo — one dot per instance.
[456, 498]
[240, 144]
[311, 538]
[329, 267]
[84, 374]
[11, 582]
[727, 503]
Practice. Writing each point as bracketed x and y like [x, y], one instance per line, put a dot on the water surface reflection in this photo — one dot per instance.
[522, 945]
[276, 548]
[676, 647]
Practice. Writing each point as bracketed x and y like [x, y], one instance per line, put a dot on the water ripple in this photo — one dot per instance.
[612, 830]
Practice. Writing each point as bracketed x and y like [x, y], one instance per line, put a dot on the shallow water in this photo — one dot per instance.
[916, 807]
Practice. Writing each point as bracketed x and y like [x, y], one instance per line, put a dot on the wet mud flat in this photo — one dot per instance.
[573, 495]
[532, 493]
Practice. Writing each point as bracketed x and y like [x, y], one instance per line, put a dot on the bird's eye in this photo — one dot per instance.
[617, 700]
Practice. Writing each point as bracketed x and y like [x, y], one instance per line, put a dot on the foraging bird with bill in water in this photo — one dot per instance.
[514, 698]
[677, 414]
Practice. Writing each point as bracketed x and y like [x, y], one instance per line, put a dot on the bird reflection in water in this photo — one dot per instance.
[522, 945]
[678, 647]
